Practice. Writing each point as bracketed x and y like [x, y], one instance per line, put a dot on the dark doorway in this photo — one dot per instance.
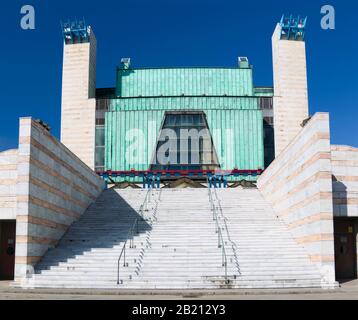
[7, 249]
[345, 249]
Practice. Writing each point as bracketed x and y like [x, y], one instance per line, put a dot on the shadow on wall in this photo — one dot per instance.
[105, 224]
[340, 198]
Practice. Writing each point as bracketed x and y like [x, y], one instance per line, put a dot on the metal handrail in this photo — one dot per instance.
[221, 243]
[233, 244]
[130, 235]
[147, 199]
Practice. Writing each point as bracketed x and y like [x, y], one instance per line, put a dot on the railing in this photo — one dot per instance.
[233, 244]
[221, 243]
[144, 205]
[182, 173]
[132, 231]
[130, 237]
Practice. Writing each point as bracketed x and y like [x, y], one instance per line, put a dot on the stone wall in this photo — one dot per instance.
[298, 184]
[8, 176]
[54, 188]
[345, 181]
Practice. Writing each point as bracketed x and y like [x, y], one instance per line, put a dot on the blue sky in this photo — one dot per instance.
[174, 33]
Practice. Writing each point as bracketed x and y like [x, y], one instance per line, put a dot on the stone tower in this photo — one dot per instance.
[78, 112]
[290, 80]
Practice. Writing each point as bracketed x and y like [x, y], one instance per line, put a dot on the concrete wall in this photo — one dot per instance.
[8, 176]
[78, 112]
[345, 181]
[54, 188]
[290, 102]
[298, 185]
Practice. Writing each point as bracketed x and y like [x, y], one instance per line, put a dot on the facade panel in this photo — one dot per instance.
[184, 81]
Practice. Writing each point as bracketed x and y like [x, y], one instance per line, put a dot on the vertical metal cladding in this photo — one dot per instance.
[238, 138]
[226, 96]
[187, 81]
[131, 138]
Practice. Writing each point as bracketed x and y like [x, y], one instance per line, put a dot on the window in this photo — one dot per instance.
[102, 104]
[266, 103]
[99, 149]
[184, 143]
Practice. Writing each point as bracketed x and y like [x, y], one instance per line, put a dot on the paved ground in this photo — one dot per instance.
[347, 291]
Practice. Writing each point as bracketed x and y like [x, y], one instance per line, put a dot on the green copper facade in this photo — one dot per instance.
[227, 97]
[184, 81]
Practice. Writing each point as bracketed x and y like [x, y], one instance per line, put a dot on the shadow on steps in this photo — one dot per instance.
[105, 224]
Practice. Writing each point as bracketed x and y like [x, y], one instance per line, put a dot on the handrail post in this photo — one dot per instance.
[219, 244]
[124, 256]
[118, 272]
[222, 257]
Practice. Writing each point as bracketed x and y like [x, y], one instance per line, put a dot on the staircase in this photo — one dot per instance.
[183, 248]
[267, 254]
[176, 246]
[87, 255]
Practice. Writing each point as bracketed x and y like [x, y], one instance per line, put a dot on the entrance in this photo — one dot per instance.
[345, 249]
[7, 249]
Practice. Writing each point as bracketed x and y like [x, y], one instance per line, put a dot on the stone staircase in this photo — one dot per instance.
[176, 246]
[267, 254]
[87, 255]
[183, 246]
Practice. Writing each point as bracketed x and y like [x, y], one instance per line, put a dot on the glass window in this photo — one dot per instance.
[190, 151]
[266, 103]
[100, 136]
[99, 157]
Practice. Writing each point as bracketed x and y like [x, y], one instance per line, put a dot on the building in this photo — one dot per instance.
[145, 100]
[181, 127]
